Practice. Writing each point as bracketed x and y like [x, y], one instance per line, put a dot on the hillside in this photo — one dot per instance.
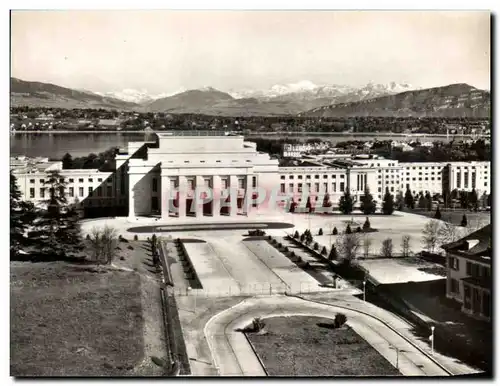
[456, 100]
[38, 94]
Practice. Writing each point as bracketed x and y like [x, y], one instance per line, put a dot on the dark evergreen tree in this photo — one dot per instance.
[320, 232]
[296, 235]
[22, 214]
[409, 200]
[335, 231]
[367, 224]
[464, 221]
[473, 200]
[326, 201]
[348, 230]
[428, 201]
[67, 161]
[368, 204]
[309, 207]
[333, 253]
[437, 215]
[346, 203]
[323, 250]
[57, 231]
[399, 202]
[388, 203]
[422, 203]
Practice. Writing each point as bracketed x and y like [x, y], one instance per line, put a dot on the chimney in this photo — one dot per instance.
[471, 244]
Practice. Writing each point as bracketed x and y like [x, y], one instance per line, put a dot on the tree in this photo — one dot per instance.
[154, 249]
[348, 245]
[367, 242]
[464, 221]
[448, 233]
[323, 250]
[367, 225]
[303, 237]
[320, 233]
[388, 203]
[428, 201]
[309, 206]
[296, 235]
[405, 245]
[326, 201]
[333, 253]
[346, 203]
[437, 215]
[473, 200]
[348, 230]
[22, 214]
[387, 248]
[368, 204]
[399, 202]
[422, 203]
[335, 231]
[430, 235]
[57, 231]
[67, 161]
[409, 200]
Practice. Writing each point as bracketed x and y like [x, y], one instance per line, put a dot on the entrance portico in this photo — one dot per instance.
[198, 174]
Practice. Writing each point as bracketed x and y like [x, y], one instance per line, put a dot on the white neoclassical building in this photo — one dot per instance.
[198, 174]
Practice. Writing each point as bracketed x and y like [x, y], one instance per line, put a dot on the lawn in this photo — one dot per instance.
[297, 346]
[70, 320]
[455, 216]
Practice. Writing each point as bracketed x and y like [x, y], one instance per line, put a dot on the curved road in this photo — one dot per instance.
[233, 355]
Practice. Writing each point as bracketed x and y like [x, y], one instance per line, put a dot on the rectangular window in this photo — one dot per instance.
[468, 268]
[299, 177]
[334, 187]
[99, 180]
[342, 186]
[325, 187]
[225, 183]
[454, 286]
[282, 188]
[254, 182]
[42, 181]
[90, 190]
[110, 191]
[316, 186]
[155, 185]
[454, 263]
[208, 182]
[99, 191]
[325, 176]
[290, 177]
[342, 176]
[192, 183]
[80, 180]
[466, 180]
[282, 177]
[42, 192]
[473, 180]
[71, 180]
[308, 177]
[290, 188]
[32, 192]
[316, 176]
[241, 183]
[467, 297]
[80, 192]
[71, 192]
[379, 189]
[459, 179]
[334, 176]
[300, 188]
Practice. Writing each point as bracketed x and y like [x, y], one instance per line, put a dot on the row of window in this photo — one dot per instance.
[291, 187]
[308, 176]
[71, 192]
[70, 180]
[203, 161]
[191, 183]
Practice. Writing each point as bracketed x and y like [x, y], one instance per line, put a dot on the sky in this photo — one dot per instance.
[166, 51]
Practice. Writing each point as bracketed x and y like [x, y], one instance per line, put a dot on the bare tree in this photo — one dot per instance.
[348, 245]
[387, 248]
[405, 245]
[367, 243]
[449, 233]
[103, 244]
[476, 224]
[430, 235]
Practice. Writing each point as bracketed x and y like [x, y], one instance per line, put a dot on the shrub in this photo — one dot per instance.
[437, 215]
[280, 245]
[335, 231]
[286, 249]
[130, 247]
[348, 230]
[292, 254]
[358, 229]
[367, 224]
[269, 237]
[323, 251]
[464, 221]
[136, 238]
[122, 258]
[296, 235]
[88, 237]
[316, 246]
[340, 320]
[320, 233]
[258, 325]
[122, 239]
[333, 253]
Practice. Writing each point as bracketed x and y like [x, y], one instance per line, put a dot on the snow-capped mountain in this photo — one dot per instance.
[137, 96]
[307, 90]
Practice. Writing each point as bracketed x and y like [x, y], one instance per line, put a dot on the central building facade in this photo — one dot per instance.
[196, 174]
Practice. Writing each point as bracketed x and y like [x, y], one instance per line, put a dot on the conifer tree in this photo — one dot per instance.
[388, 203]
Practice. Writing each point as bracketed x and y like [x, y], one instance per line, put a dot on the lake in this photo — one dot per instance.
[55, 145]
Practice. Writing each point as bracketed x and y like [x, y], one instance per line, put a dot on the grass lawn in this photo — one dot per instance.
[455, 217]
[298, 346]
[68, 320]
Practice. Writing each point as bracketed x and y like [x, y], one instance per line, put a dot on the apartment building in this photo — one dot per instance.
[468, 267]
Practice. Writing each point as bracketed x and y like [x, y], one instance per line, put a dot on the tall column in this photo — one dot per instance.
[200, 183]
[131, 195]
[165, 196]
[233, 185]
[248, 195]
[182, 196]
[216, 195]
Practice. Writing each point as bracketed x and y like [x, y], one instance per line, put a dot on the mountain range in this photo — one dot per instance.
[303, 98]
